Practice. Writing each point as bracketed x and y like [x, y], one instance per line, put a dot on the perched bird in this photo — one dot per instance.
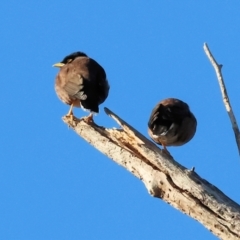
[171, 123]
[81, 82]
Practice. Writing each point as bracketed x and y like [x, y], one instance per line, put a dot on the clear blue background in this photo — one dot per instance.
[53, 185]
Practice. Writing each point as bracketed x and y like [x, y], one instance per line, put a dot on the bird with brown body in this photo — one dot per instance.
[81, 82]
[171, 123]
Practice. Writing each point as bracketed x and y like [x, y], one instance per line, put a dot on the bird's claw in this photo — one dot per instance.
[89, 119]
[70, 116]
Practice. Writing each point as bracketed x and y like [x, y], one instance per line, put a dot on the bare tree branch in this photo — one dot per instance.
[163, 177]
[226, 101]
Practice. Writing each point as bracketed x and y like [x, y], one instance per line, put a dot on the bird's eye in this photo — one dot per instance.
[69, 60]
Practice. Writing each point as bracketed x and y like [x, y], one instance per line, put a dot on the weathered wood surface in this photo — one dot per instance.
[164, 178]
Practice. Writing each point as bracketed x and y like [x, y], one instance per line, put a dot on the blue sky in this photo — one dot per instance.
[53, 185]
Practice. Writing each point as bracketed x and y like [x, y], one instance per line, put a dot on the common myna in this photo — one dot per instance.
[171, 123]
[81, 82]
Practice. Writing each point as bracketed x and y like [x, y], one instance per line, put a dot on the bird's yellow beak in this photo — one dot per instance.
[59, 65]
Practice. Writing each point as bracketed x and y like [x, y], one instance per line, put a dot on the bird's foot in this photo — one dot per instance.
[70, 116]
[89, 119]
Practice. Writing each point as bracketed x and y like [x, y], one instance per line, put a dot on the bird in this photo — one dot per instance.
[81, 82]
[171, 123]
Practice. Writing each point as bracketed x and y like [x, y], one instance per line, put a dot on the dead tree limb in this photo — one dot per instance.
[163, 177]
[226, 101]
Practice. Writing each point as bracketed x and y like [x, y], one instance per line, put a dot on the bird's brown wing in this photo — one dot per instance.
[74, 86]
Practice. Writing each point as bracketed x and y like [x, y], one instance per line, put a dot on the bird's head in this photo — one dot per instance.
[69, 58]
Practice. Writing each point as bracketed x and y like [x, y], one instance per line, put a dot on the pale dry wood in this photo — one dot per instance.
[226, 100]
[163, 177]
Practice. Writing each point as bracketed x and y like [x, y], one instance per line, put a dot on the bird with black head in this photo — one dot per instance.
[81, 82]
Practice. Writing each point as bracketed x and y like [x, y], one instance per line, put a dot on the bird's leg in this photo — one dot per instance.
[165, 150]
[89, 119]
[70, 112]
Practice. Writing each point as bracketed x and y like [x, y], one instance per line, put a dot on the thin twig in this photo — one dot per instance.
[226, 101]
